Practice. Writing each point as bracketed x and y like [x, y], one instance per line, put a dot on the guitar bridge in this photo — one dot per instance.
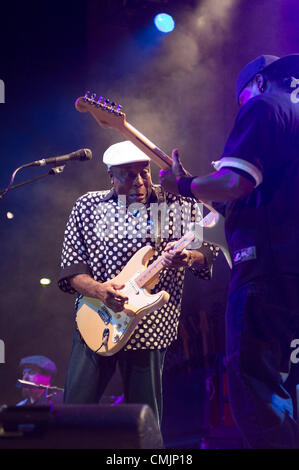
[105, 315]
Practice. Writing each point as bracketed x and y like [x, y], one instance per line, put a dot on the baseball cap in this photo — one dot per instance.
[42, 362]
[269, 63]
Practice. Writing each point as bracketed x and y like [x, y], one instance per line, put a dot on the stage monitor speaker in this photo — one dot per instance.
[79, 427]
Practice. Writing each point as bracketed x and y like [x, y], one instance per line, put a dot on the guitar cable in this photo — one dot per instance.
[54, 171]
[105, 339]
[5, 191]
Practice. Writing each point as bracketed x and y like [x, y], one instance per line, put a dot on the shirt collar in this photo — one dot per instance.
[154, 197]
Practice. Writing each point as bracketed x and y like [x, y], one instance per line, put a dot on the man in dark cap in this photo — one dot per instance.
[257, 178]
[38, 370]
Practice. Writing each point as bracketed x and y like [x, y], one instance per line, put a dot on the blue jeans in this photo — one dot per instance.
[89, 373]
[262, 318]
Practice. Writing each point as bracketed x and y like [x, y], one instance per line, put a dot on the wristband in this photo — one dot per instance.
[184, 186]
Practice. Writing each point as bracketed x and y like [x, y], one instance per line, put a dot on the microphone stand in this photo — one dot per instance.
[54, 171]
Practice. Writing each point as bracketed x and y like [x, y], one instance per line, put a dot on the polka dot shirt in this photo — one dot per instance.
[102, 235]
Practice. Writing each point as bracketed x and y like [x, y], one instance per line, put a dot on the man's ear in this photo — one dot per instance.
[111, 176]
[261, 82]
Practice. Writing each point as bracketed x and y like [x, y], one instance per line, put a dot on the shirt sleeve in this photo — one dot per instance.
[250, 141]
[210, 253]
[74, 257]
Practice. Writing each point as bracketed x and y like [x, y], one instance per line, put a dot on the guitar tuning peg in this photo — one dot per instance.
[100, 99]
[86, 96]
[119, 107]
[93, 96]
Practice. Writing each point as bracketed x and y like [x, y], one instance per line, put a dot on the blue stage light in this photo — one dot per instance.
[164, 22]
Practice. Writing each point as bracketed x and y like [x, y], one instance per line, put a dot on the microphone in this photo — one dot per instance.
[31, 385]
[81, 155]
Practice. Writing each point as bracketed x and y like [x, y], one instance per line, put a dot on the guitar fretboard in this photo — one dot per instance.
[148, 274]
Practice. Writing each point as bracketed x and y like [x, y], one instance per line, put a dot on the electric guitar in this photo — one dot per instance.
[109, 115]
[105, 331]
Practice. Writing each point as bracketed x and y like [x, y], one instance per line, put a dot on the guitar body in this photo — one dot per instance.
[105, 331]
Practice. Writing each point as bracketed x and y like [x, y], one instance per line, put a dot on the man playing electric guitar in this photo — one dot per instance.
[104, 231]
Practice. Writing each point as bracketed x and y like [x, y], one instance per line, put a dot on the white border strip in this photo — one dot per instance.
[242, 165]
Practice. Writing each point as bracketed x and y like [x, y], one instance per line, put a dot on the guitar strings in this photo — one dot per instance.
[146, 275]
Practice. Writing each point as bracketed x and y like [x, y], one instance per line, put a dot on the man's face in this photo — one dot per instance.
[36, 375]
[251, 90]
[132, 180]
[246, 94]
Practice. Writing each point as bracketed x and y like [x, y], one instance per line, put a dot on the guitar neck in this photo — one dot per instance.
[108, 115]
[147, 275]
[152, 151]
[149, 148]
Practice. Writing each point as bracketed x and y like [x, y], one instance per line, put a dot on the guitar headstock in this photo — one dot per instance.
[106, 112]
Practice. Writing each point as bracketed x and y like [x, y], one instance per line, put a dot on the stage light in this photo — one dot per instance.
[44, 281]
[9, 215]
[164, 22]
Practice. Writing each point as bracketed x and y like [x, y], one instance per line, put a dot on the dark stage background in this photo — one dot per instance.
[178, 90]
